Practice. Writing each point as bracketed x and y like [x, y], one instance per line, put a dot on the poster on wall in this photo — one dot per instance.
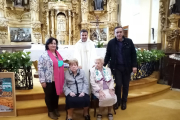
[7, 94]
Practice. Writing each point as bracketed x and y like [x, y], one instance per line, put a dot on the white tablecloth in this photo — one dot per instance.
[67, 52]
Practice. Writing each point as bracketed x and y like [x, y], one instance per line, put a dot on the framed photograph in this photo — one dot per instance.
[7, 94]
[99, 34]
[20, 34]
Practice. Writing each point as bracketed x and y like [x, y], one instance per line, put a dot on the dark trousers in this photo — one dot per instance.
[122, 79]
[51, 98]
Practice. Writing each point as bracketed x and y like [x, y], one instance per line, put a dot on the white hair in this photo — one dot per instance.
[101, 59]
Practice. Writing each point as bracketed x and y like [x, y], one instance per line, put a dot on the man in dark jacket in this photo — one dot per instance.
[121, 55]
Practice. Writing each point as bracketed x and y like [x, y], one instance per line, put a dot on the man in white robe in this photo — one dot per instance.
[85, 52]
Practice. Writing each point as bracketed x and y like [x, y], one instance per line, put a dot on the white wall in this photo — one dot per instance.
[137, 15]
[154, 20]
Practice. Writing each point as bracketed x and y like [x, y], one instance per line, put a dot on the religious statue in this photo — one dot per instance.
[174, 6]
[98, 4]
[18, 2]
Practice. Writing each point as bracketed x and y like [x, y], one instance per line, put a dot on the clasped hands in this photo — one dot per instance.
[102, 95]
[73, 94]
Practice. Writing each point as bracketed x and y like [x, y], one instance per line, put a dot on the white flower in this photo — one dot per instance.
[141, 57]
[139, 48]
[3, 51]
[8, 56]
[23, 56]
[145, 49]
[13, 52]
[8, 61]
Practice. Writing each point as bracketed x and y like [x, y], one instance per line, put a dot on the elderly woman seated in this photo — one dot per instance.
[76, 90]
[103, 87]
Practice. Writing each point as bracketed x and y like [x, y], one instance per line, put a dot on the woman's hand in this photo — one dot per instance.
[101, 95]
[72, 94]
[81, 95]
[43, 85]
[111, 91]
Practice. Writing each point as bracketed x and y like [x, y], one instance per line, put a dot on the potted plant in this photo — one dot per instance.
[19, 63]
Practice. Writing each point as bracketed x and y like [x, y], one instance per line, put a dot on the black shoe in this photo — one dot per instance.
[69, 119]
[52, 115]
[123, 106]
[56, 112]
[116, 106]
[87, 117]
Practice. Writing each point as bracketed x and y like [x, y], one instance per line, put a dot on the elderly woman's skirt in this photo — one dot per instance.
[108, 100]
[77, 102]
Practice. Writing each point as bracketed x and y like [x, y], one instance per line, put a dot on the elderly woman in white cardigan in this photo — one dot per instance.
[103, 87]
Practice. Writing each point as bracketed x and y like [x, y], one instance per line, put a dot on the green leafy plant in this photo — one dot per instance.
[100, 44]
[144, 56]
[13, 61]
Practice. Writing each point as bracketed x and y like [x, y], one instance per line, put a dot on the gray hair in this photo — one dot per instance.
[101, 59]
[73, 61]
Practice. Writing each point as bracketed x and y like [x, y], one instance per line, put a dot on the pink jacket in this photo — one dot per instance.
[96, 86]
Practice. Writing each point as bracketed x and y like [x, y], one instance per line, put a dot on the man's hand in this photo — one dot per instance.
[81, 95]
[43, 85]
[72, 94]
[111, 92]
[101, 95]
[80, 67]
[134, 69]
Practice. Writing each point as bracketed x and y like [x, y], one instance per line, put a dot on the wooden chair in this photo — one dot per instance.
[95, 103]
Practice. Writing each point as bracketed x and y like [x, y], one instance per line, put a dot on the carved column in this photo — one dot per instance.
[52, 23]
[3, 24]
[69, 14]
[36, 24]
[84, 14]
[74, 38]
[2, 4]
[47, 23]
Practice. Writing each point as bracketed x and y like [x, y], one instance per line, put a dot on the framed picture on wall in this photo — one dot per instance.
[20, 34]
[7, 94]
[98, 34]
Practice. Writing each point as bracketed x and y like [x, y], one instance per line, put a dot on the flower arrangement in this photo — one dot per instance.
[144, 56]
[99, 44]
[13, 61]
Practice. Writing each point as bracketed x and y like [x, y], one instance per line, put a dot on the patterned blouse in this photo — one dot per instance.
[45, 68]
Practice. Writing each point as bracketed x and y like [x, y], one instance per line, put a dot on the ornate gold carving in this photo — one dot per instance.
[13, 14]
[74, 6]
[171, 37]
[84, 6]
[174, 21]
[34, 5]
[2, 4]
[36, 27]
[59, 5]
[85, 26]
[112, 6]
[3, 31]
[112, 25]
[162, 15]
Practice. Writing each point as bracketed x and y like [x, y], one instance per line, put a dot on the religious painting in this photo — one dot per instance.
[20, 34]
[7, 94]
[98, 34]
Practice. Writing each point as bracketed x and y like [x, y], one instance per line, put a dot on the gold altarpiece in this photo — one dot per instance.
[55, 18]
[170, 28]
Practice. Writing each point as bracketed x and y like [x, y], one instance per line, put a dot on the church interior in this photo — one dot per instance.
[153, 26]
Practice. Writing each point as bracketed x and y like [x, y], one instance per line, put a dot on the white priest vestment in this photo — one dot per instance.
[85, 53]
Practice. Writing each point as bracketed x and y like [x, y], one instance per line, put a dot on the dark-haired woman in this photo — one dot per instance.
[51, 76]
